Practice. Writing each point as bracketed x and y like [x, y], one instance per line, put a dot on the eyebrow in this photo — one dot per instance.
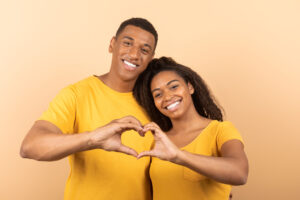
[130, 38]
[167, 84]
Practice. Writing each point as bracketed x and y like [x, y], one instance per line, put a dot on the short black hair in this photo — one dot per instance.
[141, 23]
[204, 102]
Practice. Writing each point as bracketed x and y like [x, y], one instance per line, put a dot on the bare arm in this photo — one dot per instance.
[46, 142]
[230, 168]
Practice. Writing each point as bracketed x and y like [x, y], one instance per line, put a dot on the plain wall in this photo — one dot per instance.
[247, 51]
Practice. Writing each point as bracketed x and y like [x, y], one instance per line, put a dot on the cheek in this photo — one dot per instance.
[157, 103]
[189, 98]
[182, 92]
[146, 59]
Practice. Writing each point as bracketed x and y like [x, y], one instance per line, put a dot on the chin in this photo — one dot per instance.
[174, 116]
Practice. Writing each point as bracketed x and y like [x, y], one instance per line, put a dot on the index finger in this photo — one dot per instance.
[130, 126]
[130, 119]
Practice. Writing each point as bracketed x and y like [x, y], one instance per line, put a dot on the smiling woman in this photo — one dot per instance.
[202, 99]
[171, 94]
[205, 154]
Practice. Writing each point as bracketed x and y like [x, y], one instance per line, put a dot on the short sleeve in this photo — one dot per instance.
[62, 109]
[227, 132]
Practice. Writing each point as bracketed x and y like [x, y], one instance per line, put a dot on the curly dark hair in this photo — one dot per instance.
[141, 23]
[202, 99]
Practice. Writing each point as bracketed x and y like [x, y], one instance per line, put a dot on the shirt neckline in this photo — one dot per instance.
[199, 135]
[106, 87]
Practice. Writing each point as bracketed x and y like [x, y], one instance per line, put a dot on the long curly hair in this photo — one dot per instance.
[202, 99]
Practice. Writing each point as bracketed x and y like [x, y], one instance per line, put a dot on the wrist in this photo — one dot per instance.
[91, 141]
[178, 158]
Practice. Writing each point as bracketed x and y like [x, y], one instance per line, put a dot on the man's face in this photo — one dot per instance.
[131, 50]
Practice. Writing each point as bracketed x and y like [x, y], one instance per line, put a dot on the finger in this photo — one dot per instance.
[142, 132]
[153, 129]
[129, 126]
[128, 150]
[148, 126]
[130, 119]
[151, 124]
[145, 153]
[157, 133]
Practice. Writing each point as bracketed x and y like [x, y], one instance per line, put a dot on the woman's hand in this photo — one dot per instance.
[164, 148]
[230, 168]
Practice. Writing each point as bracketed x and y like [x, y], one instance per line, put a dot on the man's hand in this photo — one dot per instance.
[108, 137]
[164, 148]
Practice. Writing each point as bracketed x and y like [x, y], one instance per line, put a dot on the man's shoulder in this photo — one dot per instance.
[84, 84]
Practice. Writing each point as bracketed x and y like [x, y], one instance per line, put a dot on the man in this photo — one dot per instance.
[100, 109]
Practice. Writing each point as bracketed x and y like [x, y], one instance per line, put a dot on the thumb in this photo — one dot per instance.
[145, 153]
[127, 150]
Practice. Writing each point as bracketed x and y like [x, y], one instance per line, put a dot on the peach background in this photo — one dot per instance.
[247, 51]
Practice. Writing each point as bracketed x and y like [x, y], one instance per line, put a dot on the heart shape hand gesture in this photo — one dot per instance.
[108, 137]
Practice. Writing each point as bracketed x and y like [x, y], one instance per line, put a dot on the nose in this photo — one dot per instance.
[168, 96]
[134, 52]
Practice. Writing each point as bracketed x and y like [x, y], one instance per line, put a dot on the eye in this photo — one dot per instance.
[157, 95]
[145, 51]
[173, 87]
[126, 43]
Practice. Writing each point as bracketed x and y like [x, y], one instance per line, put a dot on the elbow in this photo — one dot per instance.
[241, 174]
[241, 179]
[26, 151]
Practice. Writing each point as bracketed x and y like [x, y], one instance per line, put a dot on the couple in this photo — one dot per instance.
[186, 152]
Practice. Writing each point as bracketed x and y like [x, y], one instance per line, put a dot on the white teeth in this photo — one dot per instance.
[172, 105]
[129, 64]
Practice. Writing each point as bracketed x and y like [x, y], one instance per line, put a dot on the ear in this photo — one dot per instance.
[191, 88]
[111, 44]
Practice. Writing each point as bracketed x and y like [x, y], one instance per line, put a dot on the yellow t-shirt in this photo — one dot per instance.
[98, 174]
[172, 181]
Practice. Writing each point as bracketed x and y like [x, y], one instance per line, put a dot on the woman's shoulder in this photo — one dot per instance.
[223, 124]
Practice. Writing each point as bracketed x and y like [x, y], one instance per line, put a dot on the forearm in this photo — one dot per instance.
[46, 142]
[50, 148]
[227, 170]
[47, 145]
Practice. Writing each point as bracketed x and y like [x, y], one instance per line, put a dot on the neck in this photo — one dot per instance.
[117, 84]
[190, 122]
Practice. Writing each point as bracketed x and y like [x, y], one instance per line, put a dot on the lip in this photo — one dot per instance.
[129, 65]
[174, 105]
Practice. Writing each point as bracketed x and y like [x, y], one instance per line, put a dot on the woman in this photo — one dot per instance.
[196, 155]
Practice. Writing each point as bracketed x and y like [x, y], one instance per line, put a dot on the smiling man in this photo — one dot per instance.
[92, 123]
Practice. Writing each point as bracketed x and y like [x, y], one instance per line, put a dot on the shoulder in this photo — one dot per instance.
[86, 82]
[226, 125]
[84, 85]
[221, 125]
[227, 131]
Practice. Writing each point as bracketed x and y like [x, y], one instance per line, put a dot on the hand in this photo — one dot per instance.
[108, 137]
[164, 148]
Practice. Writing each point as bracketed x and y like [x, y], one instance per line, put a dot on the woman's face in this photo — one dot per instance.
[171, 94]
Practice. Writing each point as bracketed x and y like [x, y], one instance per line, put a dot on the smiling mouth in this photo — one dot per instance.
[173, 105]
[129, 64]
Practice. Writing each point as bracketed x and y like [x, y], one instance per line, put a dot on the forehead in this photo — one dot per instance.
[163, 78]
[137, 34]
